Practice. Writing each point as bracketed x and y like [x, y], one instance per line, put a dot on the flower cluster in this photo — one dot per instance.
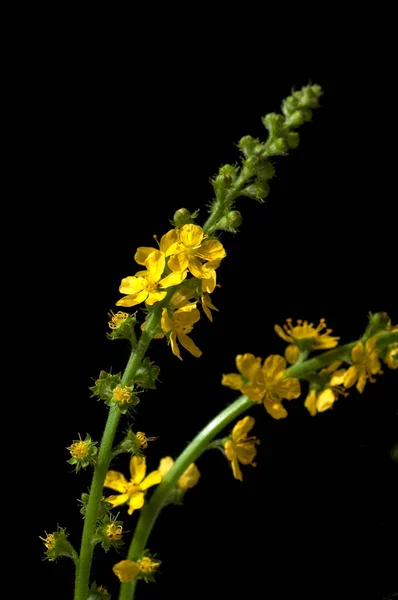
[182, 251]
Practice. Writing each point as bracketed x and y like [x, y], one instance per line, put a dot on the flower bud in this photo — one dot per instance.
[274, 123]
[225, 179]
[182, 216]
[230, 221]
[258, 190]
[293, 139]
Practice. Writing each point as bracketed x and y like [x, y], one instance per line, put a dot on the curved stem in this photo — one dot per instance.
[104, 456]
[151, 511]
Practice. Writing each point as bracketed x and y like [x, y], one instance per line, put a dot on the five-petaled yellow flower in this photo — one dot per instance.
[240, 448]
[265, 383]
[306, 335]
[366, 363]
[191, 249]
[147, 286]
[127, 570]
[178, 325]
[131, 492]
[188, 479]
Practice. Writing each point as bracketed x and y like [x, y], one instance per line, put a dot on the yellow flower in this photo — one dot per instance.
[117, 319]
[143, 440]
[264, 383]
[188, 479]
[168, 246]
[127, 570]
[182, 297]
[79, 449]
[178, 326]
[306, 335]
[240, 448]
[321, 400]
[366, 363]
[147, 285]
[49, 541]
[114, 532]
[131, 492]
[122, 395]
[191, 250]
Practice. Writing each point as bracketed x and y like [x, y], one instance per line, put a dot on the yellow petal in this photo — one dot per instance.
[209, 284]
[152, 479]
[132, 285]
[338, 377]
[155, 297]
[165, 465]
[253, 391]
[155, 263]
[242, 427]
[137, 468]
[116, 481]
[211, 250]
[325, 400]
[168, 242]
[275, 409]
[351, 376]
[187, 318]
[229, 447]
[189, 344]
[133, 300]
[274, 366]
[173, 279]
[166, 322]
[310, 403]
[117, 500]
[358, 353]
[278, 329]
[182, 297]
[248, 365]
[292, 353]
[237, 473]
[142, 254]
[126, 570]
[232, 380]
[361, 382]
[374, 364]
[197, 269]
[189, 478]
[188, 308]
[246, 452]
[178, 262]
[136, 502]
[174, 346]
[287, 388]
[191, 235]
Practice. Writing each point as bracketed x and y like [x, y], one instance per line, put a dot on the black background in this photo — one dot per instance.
[116, 145]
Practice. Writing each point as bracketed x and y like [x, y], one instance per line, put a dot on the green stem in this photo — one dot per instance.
[104, 456]
[221, 205]
[191, 453]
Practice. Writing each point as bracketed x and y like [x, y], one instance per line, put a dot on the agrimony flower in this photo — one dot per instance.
[147, 286]
[304, 336]
[191, 250]
[366, 364]
[240, 448]
[127, 570]
[131, 492]
[265, 383]
[188, 479]
[178, 326]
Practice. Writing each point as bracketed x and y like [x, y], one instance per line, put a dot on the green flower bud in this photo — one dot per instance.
[183, 216]
[83, 453]
[104, 506]
[278, 147]
[296, 119]
[377, 322]
[57, 545]
[230, 222]
[249, 145]
[225, 179]
[258, 190]
[293, 139]
[265, 170]
[147, 374]
[274, 123]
